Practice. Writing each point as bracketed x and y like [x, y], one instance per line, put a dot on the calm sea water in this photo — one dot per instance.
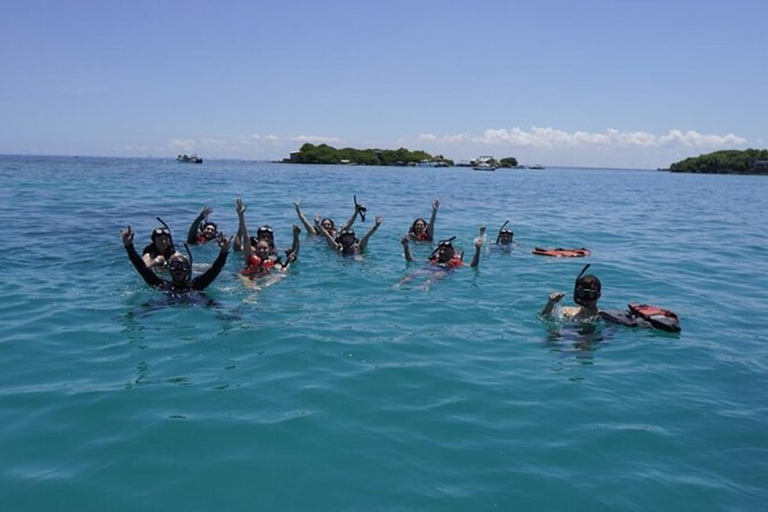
[334, 390]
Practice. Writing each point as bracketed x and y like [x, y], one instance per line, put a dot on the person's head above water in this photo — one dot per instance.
[209, 230]
[328, 225]
[347, 237]
[161, 237]
[419, 226]
[261, 249]
[444, 251]
[505, 237]
[587, 289]
[266, 233]
[180, 267]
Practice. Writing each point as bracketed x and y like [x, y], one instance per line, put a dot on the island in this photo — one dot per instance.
[748, 161]
[325, 154]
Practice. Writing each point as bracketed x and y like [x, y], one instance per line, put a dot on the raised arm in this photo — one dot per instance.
[192, 234]
[328, 238]
[431, 225]
[552, 300]
[476, 257]
[205, 279]
[406, 241]
[242, 230]
[149, 277]
[295, 246]
[352, 219]
[303, 218]
[367, 236]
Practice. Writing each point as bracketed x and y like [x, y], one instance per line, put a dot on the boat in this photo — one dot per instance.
[537, 166]
[189, 159]
[484, 163]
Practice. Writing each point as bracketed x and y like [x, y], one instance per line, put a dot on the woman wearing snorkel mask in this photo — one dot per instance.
[346, 243]
[258, 254]
[327, 223]
[586, 293]
[266, 234]
[445, 255]
[202, 230]
[179, 265]
[420, 230]
[160, 250]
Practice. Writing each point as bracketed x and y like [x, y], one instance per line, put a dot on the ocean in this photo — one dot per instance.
[339, 389]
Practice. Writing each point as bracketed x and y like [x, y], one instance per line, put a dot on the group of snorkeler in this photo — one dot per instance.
[261, 258]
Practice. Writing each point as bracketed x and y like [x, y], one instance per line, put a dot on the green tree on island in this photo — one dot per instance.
[325, 154]
[725, 162]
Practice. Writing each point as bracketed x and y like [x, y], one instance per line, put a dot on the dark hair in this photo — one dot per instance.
[413, 225]
[589, 281]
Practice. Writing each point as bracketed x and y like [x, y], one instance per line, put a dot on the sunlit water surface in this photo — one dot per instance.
[335, 390]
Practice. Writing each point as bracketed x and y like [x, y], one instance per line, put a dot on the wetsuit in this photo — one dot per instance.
[199, 283]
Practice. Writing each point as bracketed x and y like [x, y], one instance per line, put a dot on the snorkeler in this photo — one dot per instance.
[586, 293]
[346, 243]
[157, 253]
[179, 265]
[202, 230]
[257, 256]
[445, 255]
[327, 223]
[505, 236]
[420, 230]
[266, 234]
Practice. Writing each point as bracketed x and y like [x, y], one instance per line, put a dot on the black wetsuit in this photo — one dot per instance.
[153, 252]
[199, 283]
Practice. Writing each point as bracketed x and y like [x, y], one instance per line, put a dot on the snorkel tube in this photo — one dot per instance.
[161, 221]
[576, 297]
[360, 208]
[500, 230]
[441, 243]
[189, 255]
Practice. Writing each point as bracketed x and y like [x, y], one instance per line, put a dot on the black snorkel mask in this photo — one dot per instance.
[502, 230]
[582, 296]
[266, 232]
[441, 244]
[360, 209]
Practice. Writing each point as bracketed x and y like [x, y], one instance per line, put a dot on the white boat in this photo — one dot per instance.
[484, 163]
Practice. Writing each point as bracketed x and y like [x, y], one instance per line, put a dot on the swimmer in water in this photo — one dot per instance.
[257, 256]
[179, 265]
[202, 230]
[420, 230]
[327, 223]
[445, 256]
[586, 293]
[157, 253]
[346, 243]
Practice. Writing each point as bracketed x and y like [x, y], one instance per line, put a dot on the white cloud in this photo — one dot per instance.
[550, 138]
[314, 138]
[445, 139]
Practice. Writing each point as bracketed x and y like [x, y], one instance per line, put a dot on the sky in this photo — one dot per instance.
[628, 84]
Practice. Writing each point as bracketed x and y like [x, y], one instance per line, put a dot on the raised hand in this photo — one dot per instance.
[436, 204]
[240, 206]
[206, 211]
[296, 229]
[127, 236]
[377, 221]
[224, 242]
[405, 240]
[556, 296]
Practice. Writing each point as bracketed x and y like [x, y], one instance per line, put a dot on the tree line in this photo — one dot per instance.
[725, 162]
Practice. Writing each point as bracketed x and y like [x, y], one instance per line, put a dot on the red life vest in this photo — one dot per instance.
[454, 262]
[257, 268]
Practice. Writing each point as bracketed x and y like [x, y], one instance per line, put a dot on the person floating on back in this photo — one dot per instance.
[445, 255]
[179, 265]
[586, 293]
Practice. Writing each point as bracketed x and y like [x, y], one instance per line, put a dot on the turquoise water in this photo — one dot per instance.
[333, 390]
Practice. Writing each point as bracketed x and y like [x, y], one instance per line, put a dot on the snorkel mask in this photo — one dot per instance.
[443, 244]
[346, 237]
[265, 233]
[582, 294]
[502, 231]
[360, 209]
[165, 230]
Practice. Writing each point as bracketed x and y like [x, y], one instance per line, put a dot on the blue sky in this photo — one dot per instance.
[591, 83]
